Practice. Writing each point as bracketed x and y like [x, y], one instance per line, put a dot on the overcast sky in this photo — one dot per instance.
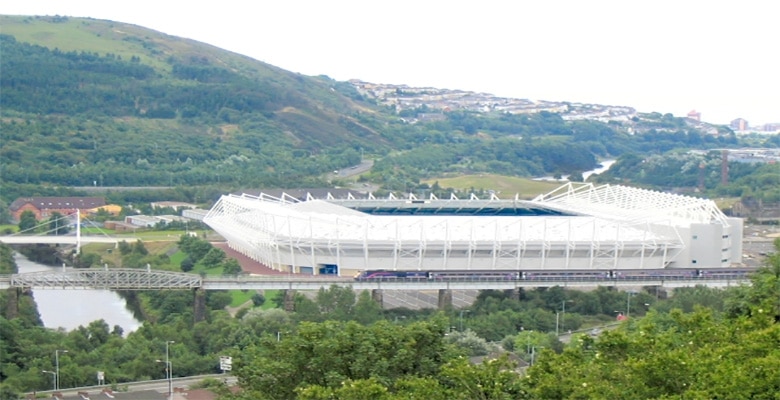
[672, 56]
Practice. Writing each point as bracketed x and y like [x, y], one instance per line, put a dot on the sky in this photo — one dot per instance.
[671, 56]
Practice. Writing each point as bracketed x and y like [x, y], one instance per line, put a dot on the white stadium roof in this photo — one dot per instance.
[605, 219]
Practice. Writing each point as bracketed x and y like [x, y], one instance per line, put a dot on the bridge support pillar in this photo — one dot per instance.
[199, 312]
[377, 296]
[516, 294]
[289, 300]
[12, 307]
[445, 299]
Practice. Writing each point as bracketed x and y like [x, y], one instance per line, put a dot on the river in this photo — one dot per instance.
[603, 166]
[71, 308]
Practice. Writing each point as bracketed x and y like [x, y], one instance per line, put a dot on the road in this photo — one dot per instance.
[160, 385]
[353, 170]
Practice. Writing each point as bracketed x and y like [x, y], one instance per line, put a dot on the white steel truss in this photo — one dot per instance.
[604, 227]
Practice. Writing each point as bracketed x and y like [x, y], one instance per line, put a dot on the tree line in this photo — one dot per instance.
[341, 345]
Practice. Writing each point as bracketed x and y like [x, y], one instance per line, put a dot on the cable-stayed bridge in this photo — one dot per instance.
[52, 236]
[61, 239]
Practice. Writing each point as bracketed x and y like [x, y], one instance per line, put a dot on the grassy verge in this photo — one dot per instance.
[505, 187]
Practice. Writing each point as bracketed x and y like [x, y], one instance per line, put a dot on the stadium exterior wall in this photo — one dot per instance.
[294, 235]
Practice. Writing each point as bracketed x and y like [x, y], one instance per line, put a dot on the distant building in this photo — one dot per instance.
[739, 124]
[175, 205]
[44, 207]
[694, 115]
[196, 213]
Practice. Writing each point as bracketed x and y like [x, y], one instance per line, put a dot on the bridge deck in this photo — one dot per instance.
[142, 279]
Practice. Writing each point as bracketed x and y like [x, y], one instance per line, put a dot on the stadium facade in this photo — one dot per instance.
[575, 227]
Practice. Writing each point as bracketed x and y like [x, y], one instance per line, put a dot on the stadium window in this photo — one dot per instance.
[695, 237]
[693, 261]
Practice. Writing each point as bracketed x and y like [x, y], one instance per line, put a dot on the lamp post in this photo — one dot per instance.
[168, 367]
[168, 375]
[628, 302]
[533, 354]
[53, 378]
[461, 318]
[57, 368]
[562, 316]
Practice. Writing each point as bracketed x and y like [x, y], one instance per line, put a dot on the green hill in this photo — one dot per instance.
[100, 102]
[90, 102]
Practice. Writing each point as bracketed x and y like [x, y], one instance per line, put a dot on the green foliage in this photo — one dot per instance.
[213, 258]
[230, 266]
[330, 353]
[86, 260]
[120, 111]
[27, 221]
[258, 299]
[7, 263]
[195, 247]
[187, 264]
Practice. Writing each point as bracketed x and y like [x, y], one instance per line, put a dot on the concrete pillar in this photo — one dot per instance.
[289, 300]
[199, 308]
[445, 299]
[376, 295]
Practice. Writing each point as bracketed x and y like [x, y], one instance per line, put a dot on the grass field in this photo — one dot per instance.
[240, 297]
[506, 187]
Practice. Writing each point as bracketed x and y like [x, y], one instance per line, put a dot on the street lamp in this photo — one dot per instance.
[562, 315]
[461, 318]
[533, 353]
[628, 302]
[168, 375]
[53, 378]
[169, 368]
[57, 368]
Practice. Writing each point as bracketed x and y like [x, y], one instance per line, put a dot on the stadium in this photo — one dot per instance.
[577, 227]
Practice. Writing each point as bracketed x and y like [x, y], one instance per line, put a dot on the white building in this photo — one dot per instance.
[575, 227]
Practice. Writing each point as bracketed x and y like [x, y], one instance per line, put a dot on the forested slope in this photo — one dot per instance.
[101, 103]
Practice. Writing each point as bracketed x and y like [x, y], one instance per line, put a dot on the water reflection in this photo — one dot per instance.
[69, 309]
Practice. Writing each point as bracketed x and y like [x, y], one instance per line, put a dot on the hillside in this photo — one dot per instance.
[100, 103]
[115, 94]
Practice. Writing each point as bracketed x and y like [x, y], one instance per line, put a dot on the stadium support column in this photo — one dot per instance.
[289, 300]
[199, 313]
[445, 299]
[377, 296]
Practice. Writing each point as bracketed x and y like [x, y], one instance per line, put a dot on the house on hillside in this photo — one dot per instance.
[44, 207]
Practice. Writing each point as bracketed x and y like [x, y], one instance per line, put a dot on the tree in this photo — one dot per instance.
[86, 260]
[231, 266]
[187, 264]
[27, 221]
[58, 224]
[331, 353]
[258, 299]
[213, 258]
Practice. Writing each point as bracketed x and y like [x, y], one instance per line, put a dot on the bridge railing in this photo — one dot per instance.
[119, 278]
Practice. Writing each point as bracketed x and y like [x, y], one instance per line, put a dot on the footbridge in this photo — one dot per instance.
[53, 234]
[67, 239]
[147, 279]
